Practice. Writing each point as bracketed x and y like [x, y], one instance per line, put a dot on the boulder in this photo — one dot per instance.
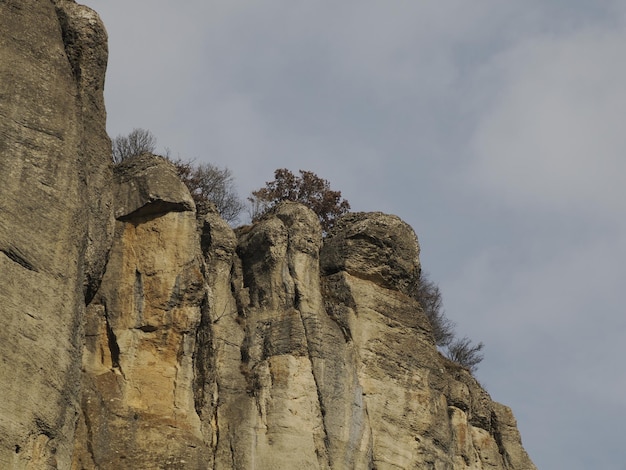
[148, 185]
[374, 246]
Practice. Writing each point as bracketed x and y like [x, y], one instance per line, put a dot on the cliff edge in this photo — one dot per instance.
[136, 335]
[56, 221]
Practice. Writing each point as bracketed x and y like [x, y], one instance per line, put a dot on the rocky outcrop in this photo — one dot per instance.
[136, 335]
[423, 411]
[272, 348]
[146, 186]
[140, 333]
[55, 219]
[339, 366]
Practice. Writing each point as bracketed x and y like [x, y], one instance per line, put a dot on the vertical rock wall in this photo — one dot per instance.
[135, 336]
[54, 230]
[328, 363]
[138, 396]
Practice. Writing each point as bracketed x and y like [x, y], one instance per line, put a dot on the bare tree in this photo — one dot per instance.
[208, 183]
[460, 350]
[137, 142]
[427, 293]
[464, 352]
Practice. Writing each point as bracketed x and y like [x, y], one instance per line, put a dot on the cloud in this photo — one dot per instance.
[553, 325]
[551, 135]
[545, 160]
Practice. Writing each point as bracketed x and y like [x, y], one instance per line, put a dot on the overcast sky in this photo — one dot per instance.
[495, 128]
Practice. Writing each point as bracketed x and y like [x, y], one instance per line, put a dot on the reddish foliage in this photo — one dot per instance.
[308, 189]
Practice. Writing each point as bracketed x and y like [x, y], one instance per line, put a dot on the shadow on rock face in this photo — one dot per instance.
[373, 246]
[148, 185]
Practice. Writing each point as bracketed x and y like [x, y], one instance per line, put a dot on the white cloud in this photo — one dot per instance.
[552, 321]
[552, 135]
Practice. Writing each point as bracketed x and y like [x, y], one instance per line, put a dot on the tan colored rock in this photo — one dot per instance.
[156, 340]
[510, 441]
[220, 335]
[338, 371]
[55, 219]
[149, 185]
[379, 246]
[271, 418]
[86, 47]
[423, 410]
[138, 399]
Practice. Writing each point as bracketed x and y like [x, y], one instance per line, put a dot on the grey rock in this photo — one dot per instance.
[374, 246]
[148, 185]
[137, 336]
[55, 219]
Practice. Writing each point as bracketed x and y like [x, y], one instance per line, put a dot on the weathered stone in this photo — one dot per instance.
[201, 349]
[423, 411]
[374, 246]
[219, 337]
[85, 42]
[350, 352]
[289, 367]
[55, 219]
[278, 420]
[141, 337]
[508, 437]
[148, 185]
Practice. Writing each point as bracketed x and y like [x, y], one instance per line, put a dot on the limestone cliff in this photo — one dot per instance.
[55, 219]
[137, 336]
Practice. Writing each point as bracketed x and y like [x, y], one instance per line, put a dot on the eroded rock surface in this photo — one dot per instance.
[328, 363]
[55, 219]
[138, 398]
[146, 186]
[136, 336]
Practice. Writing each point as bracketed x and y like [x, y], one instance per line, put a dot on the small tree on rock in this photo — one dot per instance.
[308, 189]
[459, 350]
[427, 293]
[464, 352]
[137, 142]
[208, 183]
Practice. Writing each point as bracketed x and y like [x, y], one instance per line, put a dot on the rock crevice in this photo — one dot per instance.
[136, 335]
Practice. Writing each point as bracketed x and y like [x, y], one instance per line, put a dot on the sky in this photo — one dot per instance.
[495, 128]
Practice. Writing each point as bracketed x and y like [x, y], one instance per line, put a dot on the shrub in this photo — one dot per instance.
[137, 142]
[308, 189]
[460, 350]
[427, 293]
[208, 183]
[464, 352]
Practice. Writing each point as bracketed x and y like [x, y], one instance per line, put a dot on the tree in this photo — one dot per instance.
[427, 293]
[208, 183]
[459, 350]
[137, 142]
[308, 189]
[463, 352]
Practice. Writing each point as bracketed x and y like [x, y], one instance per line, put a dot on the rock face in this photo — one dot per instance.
[137, 336]
[337, 368]
[140, 333]
[55, 219]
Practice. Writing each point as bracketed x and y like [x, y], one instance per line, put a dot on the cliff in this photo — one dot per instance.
[56, 221]
[137, 336]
